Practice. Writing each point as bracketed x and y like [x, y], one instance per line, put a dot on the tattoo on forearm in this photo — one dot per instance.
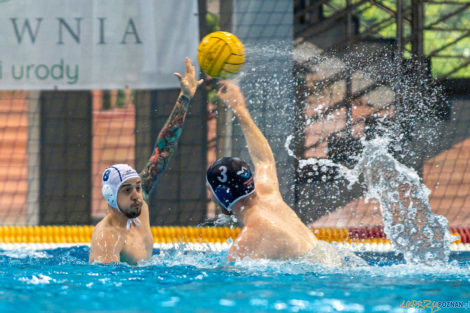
[165, 145]
[184, 101]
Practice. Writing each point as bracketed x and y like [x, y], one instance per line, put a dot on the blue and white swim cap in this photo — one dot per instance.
[112, 179]
[230, 180]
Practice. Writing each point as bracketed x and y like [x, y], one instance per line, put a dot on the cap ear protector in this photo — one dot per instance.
[223, 193]
[107, 193]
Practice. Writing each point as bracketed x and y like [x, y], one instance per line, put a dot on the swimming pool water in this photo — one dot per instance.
[61, 280]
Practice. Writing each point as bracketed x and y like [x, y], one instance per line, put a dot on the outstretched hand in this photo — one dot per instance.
[231, 95]
[188, 82]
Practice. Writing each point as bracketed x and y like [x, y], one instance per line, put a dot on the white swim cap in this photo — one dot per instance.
[113, 177]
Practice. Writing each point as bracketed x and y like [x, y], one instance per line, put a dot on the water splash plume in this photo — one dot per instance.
[415, 231]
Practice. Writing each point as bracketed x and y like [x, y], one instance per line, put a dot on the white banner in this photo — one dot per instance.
[95, 44]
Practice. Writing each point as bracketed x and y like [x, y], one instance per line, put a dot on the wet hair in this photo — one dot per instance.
[230, 180]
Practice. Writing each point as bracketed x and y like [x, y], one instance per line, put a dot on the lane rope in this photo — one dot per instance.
[200, 238]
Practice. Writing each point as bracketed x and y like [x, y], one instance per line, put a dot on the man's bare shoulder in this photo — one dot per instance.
[256, 219]
[254, 240]
[263, 225]
[106, 243]
[100, 227]
[265, 182]
[256, 228]
[272, 220]
[104, 232]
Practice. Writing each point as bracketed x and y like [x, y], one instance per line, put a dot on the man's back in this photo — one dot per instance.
[272, 230]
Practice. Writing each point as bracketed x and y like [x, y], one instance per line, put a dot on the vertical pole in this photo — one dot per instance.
[144, 136]
[399, 22]
[399, 59]
[226, 14]
[202, 5]
[417, 26]
[224, 114]
[349, 32]
[203, 31]
[349, 22]
[300, 7]
[33, 157]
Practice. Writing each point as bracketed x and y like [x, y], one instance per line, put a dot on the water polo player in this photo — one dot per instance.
[271, 229]
[124, 233]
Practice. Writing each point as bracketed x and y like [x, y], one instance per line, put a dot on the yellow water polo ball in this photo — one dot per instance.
[221, 54]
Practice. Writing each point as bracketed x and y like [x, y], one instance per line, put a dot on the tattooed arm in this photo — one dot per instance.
[171, 132]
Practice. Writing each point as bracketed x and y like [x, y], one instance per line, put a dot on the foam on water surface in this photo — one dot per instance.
[180, 280]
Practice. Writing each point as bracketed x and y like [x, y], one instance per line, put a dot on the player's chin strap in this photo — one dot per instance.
[132, 222]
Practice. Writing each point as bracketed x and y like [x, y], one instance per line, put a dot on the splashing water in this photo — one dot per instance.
[415, 110]
[415, 231]
[322, 165]
[408, 111]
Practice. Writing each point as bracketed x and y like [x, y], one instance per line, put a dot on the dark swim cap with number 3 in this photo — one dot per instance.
[230, 180]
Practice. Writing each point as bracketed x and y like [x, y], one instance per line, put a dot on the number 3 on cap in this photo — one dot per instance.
[223, 172]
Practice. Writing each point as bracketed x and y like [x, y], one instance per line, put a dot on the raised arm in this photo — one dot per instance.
[258, 147]
[169, 135]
